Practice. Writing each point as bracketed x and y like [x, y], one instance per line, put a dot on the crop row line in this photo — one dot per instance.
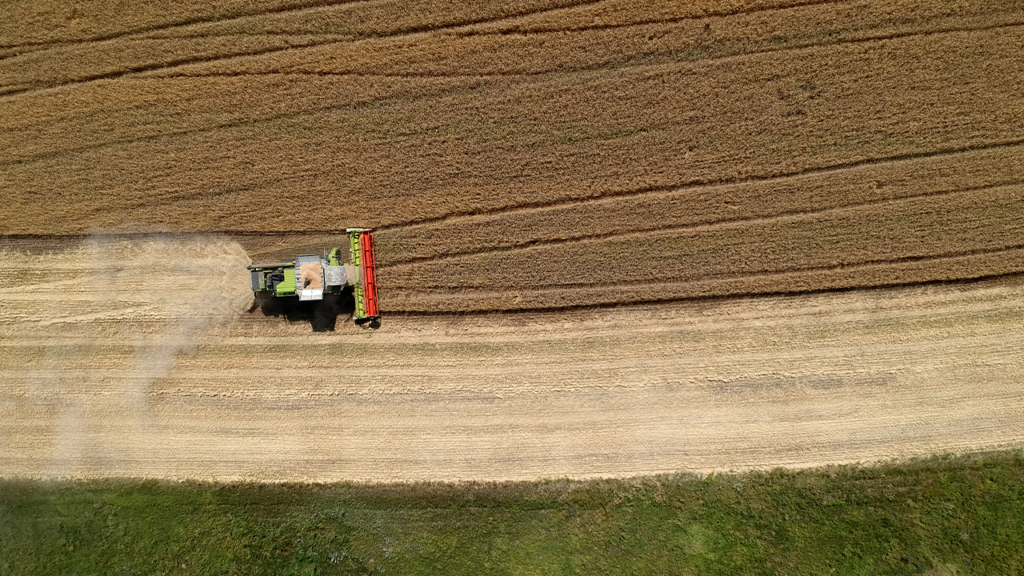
[698, 226]
[552, 31]
[255, 53]
[296, 8]
[540, 309]
[212, 128]
[640, 23]
[534, 207]
[484, 75]
[232, 124]
[883, 160]
[872, 263]
[299, 7]
[287, 8]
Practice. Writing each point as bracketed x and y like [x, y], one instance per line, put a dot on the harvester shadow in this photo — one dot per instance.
[322, 315]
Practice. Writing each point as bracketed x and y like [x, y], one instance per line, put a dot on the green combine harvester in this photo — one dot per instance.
[311, 276]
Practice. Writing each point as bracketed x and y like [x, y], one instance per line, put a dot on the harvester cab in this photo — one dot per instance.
[310, 276]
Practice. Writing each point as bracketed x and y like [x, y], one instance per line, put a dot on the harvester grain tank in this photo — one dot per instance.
[310, 276]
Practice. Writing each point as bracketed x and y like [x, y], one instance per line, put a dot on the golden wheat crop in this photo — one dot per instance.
[517, 153]
[567, 41]
[895, 231]
[699, 207]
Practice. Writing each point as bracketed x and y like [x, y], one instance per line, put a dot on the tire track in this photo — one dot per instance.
[481, 77]
[364, 75]
[704, 16]
[723, 276]
[211, 128]
[880, 161]
[254, 122]
[431, 222]
[794, 7]
[294, 7]
[708, 225]
[451, 297]
[805, 269]
[576, 202]
[321, 5]
[148, 39]
[595, 68]
[185, 61]
[16, 52]
[726, 297]
[150, 68]
[120, 74]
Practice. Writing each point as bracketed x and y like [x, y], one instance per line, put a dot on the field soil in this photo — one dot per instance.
[613, 237]
[146, 363]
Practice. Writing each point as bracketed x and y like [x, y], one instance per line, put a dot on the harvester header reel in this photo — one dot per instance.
[310, 276]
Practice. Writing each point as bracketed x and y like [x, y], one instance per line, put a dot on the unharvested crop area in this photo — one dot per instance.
[715, 165]
[523, 154]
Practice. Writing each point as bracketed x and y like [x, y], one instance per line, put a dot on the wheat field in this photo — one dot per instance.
[684, 141]
[550, 158]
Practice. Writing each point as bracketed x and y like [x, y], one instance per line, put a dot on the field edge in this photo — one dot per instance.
[944, 514]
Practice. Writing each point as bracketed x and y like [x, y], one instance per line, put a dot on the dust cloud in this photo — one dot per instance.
[153, 296]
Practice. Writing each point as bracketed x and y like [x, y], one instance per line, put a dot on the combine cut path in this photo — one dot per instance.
[138, 359]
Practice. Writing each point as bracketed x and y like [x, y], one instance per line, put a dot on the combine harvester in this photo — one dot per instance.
[311, 276]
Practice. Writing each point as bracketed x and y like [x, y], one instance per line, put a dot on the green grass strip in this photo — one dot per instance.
[943, 515]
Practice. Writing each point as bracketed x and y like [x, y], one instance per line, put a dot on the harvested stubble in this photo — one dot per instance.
[166, 378]
[550, 122]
